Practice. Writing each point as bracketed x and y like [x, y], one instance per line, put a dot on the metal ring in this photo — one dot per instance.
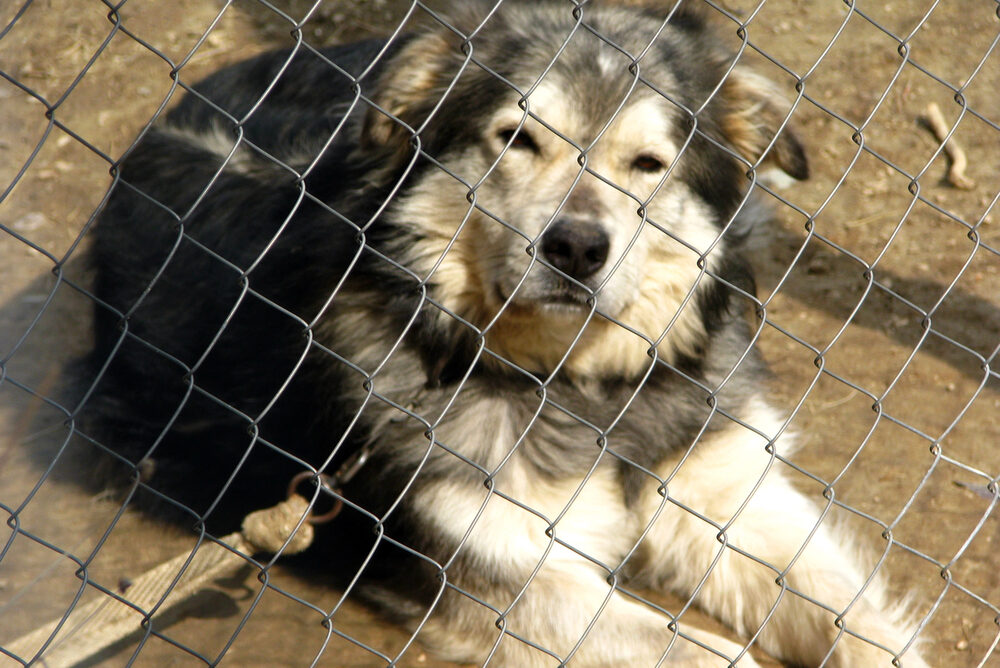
[324, 481]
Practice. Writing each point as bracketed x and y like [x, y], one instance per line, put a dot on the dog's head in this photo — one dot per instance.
[583, 168]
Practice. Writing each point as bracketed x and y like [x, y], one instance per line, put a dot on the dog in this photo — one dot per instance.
[485, 280]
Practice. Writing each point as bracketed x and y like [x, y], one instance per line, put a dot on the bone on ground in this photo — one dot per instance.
[956, 173]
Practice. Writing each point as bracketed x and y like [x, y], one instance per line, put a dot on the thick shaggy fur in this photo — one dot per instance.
[508, 269]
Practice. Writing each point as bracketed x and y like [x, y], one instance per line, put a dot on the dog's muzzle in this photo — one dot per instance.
[578, 249]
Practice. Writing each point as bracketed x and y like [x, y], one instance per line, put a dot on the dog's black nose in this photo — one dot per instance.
[576, 248]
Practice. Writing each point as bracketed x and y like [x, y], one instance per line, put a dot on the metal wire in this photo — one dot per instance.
[959, 607]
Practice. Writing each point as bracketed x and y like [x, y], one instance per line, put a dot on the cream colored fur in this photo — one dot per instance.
[477, 266]
[577, 532]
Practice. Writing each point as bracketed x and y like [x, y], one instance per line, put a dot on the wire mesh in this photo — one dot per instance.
[876, 308]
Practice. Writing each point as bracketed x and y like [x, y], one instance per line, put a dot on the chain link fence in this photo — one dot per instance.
[876, 309]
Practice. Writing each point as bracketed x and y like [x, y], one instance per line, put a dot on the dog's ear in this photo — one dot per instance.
[752, 114]
[415, 79]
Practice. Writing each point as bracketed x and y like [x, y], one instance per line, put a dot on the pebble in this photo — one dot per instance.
[30, 222]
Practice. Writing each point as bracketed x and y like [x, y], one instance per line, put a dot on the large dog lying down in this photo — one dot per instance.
[506, 271]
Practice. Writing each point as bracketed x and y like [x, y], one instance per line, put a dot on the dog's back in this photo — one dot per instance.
[198, 349]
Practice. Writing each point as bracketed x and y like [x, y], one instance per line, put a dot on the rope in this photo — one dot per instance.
[97, 625]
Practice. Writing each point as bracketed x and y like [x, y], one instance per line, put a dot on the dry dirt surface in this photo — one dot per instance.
[880, 284]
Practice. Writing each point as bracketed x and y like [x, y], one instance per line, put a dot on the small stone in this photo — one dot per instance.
[818, 265]
[30, 222]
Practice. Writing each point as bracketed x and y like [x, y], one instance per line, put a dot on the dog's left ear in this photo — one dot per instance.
[420, 74]
[408, 91]
[752, 115]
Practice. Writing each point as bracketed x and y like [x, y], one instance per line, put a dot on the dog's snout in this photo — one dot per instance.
[578, 249]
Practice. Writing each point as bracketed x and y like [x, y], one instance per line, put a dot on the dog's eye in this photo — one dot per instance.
[649, 164]
[518, 139]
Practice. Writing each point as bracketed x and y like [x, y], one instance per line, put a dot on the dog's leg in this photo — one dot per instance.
[569, 615]
[681, 548]
[534, 585]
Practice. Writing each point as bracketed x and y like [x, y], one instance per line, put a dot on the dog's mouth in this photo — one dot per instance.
[562, 298]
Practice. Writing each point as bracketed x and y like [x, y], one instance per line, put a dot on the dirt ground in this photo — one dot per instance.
[888, 380]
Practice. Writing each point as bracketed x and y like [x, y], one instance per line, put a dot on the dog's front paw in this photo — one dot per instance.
[689, 654]
[851, 652]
